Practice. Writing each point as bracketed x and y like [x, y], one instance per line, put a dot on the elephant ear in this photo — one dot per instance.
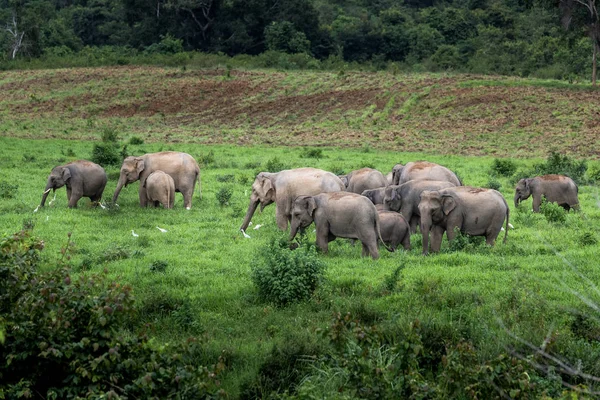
[528, 183]
[66, 174]
[140, 165]
[311, 205]
[448, 204]
[344, 179]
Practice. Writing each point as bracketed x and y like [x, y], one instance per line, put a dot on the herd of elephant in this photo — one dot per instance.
[363, 205]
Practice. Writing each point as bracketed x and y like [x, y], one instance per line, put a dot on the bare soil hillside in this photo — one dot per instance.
[446, 114]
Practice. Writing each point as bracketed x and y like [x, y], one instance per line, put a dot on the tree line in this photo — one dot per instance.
[543, 38]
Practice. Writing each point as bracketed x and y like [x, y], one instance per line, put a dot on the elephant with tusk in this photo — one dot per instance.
[82, 178]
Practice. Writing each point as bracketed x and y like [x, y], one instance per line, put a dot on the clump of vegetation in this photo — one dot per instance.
[588, 238]
[206, 159]
[503, 167]
[494, 183]
[553, 212]
[308, 152]
[43, 316]
[274, 165]
[557, 163]
[390, 282]
[136, 140]
[244, 180]
[252, 165]
[159, 266]
[225, 178]
[8, 190]
[283, 276]
[464, 242]
[593, 173]
[223, 195]
[28, 158]
[109, 151]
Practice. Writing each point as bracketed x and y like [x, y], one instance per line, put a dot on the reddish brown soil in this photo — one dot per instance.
[442, 114]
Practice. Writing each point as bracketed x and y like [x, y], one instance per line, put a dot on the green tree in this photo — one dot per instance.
[283, 36]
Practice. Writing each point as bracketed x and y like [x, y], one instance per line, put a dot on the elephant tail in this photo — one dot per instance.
[377, 227]
[507, 217]
[199, 180]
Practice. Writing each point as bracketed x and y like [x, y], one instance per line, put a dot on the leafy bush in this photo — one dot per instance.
[167, 45]
[504, 167]
[594, 173]
[136, 140]
[107, 152]
[588, 239]
[64, 337]
[307, 152]
[553, 212]
[225, 178]
[283, 276]
[558, 164]
[494, 183]
[159, 266]
[274, 165]
[464, 242]
[207, 159]
[224, 195]
[8, 190]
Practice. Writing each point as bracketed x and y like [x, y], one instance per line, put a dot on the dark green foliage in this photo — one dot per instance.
[494, 183]
[558, 164]
[225, 178]
[64, 337]
[28, 158]
[587, 239]
[8, 190]
[504, 167]
[159, 266]
[136, 140]
[206, 159]
[586, 327]
[223, 195]
[244, 180]
[283, 36]
[464, 242]
[167, 45]
[107, 152]
[553, 212]
[274, 165]
[308, 152]
[283, 276]
[390, 282]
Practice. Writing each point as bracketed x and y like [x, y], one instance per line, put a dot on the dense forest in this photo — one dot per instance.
[547, 38]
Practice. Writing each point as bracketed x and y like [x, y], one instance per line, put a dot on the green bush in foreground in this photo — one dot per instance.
[64, 338]
[283, 276]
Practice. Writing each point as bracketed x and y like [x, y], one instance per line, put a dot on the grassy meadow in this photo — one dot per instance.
[194, 280]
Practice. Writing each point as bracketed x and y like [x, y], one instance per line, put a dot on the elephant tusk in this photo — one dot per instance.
[257, 226]
[52, 201]
[47, 191]
[36, 209]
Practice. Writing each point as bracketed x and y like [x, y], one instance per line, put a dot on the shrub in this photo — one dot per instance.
[159, 266]
[553, 212]
[494, 183]
[274, 165]
[207, 159]
[587, 239]
[167, 45]
[390, 282]
[224, 195]
[557, 164]
[107, 152]
[64, 337]
[464, 242]
[311, 153]
[283, 276]
[136, 140]
[225, 178]
[503, 167]
[8, 190]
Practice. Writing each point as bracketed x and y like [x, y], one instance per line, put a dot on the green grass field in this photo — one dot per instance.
[532, 286]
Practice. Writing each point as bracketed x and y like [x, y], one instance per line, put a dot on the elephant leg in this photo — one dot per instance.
[537, 201]
[73, 199]
[365, 250]
[372, 249]
[69, 192]
[437, 232]
[280, 216]
[406, 241]
[415, 222]
[143, 196]
[323, 236]
[187, 197]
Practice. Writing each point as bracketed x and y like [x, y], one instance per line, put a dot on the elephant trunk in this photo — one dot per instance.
[425, 228]
[251, 209]
[517, 200]
[46, 191]
[293, 231]
[120, 185]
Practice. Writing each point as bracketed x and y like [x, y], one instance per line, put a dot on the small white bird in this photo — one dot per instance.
[257, 226]
[245, 193]
[162, 230]
[102, 206]
[511, 226]
[47, 218]
[245, 234]
[36, 209]
[501, 229]
[134, 234]
[188, 208]
[249, 223]
[52, 201]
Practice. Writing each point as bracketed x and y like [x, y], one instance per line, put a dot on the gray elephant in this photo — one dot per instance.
[423, 171]
[160, 189]
[180, 166]
[390, 178]
[82, 179]
[556, 188]
[394, 230]
[283, 187]
[363, 179]
[338, 214]
[474, 211]
[375, 195]
[405, 198]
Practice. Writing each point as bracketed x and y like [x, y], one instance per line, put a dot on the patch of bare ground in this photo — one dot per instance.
[413, 112]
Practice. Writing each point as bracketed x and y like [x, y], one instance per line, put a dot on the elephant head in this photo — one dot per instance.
[434, 208]
[392, 200]
[344, 179]
[523, 190]
[263, 193]
[396, 172]
[303, 211]
[130, 172]
[58, 178]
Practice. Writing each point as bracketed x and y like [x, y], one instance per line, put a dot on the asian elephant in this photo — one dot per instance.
[362, 179]
[160, 189]
[180, 166]
[405, 199]
[394, 230]
[556, 188]
[474, 211]
[82, 179]
[375, 195]
[283, 187]
[390, 178]
[338, 214]
[423, 171]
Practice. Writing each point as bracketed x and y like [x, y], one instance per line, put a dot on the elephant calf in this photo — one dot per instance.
[160, 189]
[338, 214]
[394, 230]
[556, 188]
[363, 179]
[82, 178]
[375, 195]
